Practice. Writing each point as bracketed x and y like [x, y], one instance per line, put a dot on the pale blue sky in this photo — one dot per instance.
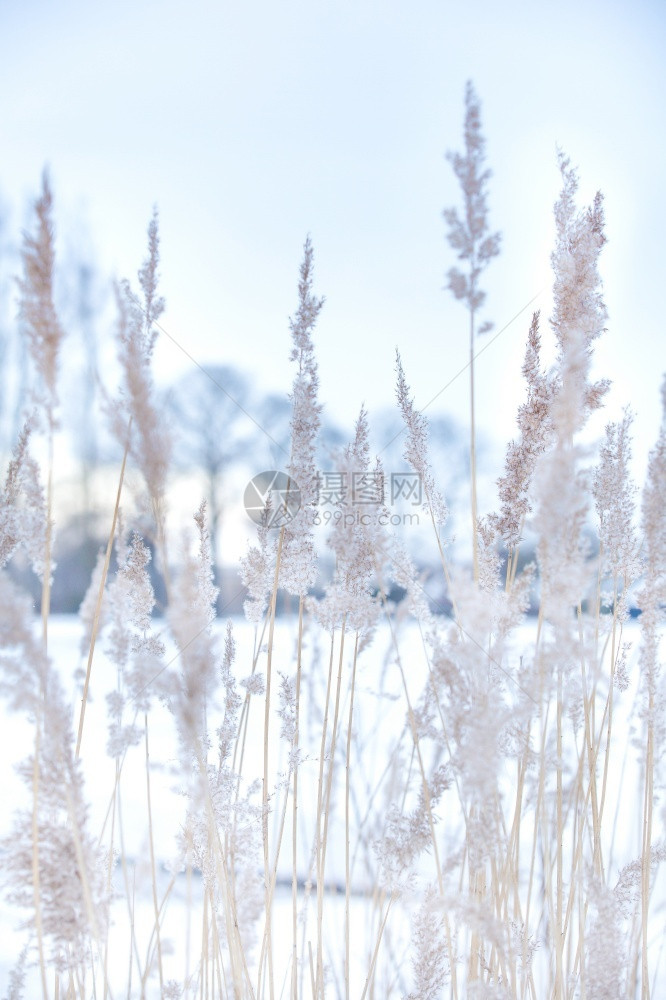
[252, 124]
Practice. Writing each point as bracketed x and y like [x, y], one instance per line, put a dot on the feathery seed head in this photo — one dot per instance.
[298, 565]
[37, 310]
[416, 446]
[469, 235]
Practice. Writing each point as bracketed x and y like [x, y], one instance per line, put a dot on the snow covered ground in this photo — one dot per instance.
[379, 720]
[381, 741]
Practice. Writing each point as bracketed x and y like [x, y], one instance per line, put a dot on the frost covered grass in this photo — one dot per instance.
[366, 796]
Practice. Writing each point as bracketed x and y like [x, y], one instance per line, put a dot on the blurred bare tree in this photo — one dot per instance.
[210, 411]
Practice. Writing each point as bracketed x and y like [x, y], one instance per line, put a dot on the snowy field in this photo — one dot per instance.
[381, 743]
[379, 734]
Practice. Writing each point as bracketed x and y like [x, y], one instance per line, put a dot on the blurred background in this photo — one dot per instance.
[250, 126]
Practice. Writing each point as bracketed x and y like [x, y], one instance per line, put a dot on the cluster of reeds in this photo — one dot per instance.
[386, 797]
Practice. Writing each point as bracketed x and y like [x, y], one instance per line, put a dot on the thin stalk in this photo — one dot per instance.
[537, 814]
[312, 972]
[347, 795]
[46, 578]
[324, 840]
[445, 567]
[45, 609]
[188, 922]
[646, 853]
[35, 859]
[152, 857]
[320, 794]
[559, 975]
[165, 899]
[108, 882]
[236, 950]
[203, 961]
[472, 446]
[129, 897]
[159, 517]
[274, 871]
[590, 742]
[245, 710]
[609, 703]
[371, 970]
[100, 595]
[267, 716]
[294, 831]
